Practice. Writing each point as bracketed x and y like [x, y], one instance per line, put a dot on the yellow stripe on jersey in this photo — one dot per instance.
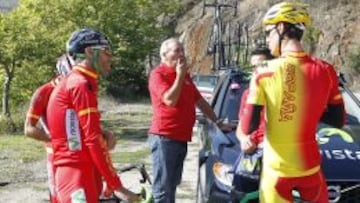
[87, 72]
[33, 116]
[87, 111]
[337, 97]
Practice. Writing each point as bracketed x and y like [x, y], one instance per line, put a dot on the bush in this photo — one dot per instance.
[15, 123]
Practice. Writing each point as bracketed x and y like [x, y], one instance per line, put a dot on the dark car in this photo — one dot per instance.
[340, 148]
[205, 84]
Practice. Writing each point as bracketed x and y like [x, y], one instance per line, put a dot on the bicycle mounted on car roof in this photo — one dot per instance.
[229, 43]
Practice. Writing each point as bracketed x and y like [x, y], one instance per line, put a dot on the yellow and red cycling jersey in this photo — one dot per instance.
[290, 87]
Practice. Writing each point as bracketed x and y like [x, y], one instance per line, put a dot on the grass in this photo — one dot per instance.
[135, 157]
[20, 148]
[22, 158]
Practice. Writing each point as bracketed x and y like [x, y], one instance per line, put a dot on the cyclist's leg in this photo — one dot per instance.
[50, 174]
[166, 167]
[76, 184]
[313, 188]
[98, 181]
[274, 189]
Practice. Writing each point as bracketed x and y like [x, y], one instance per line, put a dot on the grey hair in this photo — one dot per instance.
[164, 48]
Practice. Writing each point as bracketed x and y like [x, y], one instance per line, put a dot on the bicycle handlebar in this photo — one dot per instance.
[141, 168]
[219, 6]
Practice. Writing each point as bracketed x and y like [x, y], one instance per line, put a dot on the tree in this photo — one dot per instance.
[34, 34]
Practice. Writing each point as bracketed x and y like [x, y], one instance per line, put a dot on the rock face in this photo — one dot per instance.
[334, 30]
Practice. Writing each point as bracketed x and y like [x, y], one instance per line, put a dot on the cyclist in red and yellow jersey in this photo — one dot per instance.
[298, 91]
[80, 150]
[37, 113]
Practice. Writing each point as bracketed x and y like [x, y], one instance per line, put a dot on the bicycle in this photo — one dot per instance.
[217, 46]
[145, 178]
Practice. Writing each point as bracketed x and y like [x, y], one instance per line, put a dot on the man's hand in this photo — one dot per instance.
[181, 66]
[126, 195]
[247, 145]
[226, 127]
[110, 139]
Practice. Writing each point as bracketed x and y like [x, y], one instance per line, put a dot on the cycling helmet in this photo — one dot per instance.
[86, 37]
[290, 12]
[64, 64]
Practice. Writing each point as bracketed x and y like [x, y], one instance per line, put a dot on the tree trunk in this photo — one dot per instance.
[9, 74]
[6, 92]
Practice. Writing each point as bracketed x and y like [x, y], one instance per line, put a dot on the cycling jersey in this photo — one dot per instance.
[76, 131]
[175, 122]
[257, 136]
[36, 113]
[296, 90]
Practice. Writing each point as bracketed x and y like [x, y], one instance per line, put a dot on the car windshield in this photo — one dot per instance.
[208, 81]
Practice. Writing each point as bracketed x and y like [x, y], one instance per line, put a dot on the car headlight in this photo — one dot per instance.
[223, 174]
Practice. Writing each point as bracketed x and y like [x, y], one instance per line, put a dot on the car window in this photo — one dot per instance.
[232, 98]
[351, 107]
[205, 80]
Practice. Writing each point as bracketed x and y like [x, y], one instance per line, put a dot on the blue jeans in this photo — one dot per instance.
[167, 157]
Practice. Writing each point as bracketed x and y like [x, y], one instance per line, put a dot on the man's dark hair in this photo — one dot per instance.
[292, 32]
[262, 51]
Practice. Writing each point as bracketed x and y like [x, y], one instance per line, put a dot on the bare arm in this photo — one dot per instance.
[171, 96]
[32, 131]
[206, 109]
[209, 113]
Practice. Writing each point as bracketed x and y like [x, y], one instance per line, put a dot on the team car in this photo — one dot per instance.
[340, 148]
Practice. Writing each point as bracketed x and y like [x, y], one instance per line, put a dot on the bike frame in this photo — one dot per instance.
[145, 178]
[217, 48]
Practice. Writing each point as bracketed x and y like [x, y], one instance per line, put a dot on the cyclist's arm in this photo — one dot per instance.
[250, 120]
[85, 104]
[253, 106]
[37, 108]
[31, 130]
[334, 114]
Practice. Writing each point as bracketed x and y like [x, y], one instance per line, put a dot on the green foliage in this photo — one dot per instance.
[22, 148]
[34, 35]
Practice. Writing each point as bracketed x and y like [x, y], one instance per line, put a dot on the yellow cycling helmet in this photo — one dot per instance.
[289, 12]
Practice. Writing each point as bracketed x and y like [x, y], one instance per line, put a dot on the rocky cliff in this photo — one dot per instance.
[334, 30]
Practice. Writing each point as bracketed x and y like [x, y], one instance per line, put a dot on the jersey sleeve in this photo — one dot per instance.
[256, 92]
[37, 106]
[242, 103]
[85, 104]
[197, 94]
[157, 84]
[335, 96]
[251, 110]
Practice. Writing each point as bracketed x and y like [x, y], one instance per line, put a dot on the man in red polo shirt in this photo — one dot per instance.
[37, 112]
[174, 98]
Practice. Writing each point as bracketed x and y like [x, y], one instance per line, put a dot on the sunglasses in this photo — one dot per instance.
[106, 49]
[267, 32]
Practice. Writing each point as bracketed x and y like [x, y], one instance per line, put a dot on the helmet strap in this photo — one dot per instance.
[95, 60]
